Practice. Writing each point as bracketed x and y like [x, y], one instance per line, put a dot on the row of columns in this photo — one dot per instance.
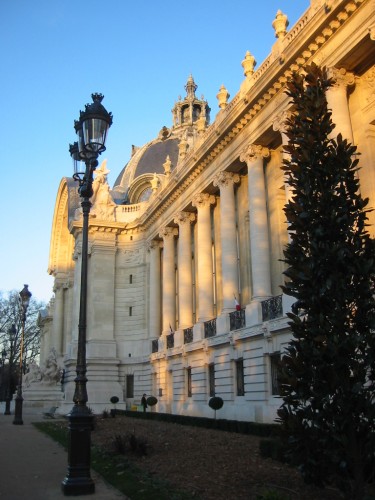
[254, 156]
[259, 242]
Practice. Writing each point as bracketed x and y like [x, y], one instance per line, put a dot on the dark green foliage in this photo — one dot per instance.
[151, 401]
[241, 427]
[216, 403]
[328, 376]
[272, 448]
[123, 444]
[119, 444]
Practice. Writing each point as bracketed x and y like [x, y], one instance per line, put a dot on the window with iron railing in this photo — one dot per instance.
[240, 378]
[189, 382]
[211, 379]
[188, 335]
[272, 308]
[170, 341]
[130, 386]
[155, 345]
[210, 328]
[275, 361]
[237, 319]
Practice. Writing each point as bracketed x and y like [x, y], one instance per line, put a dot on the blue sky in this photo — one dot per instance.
[55, 53]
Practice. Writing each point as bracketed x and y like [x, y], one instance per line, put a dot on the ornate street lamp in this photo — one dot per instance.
[25, 296]
[8, 397]
[91, 129]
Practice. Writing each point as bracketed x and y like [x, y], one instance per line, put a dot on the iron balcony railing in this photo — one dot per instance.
[210, 328]
[155, 345]
[237, 319]
[170, 341]
[272, 308]
[188, 335]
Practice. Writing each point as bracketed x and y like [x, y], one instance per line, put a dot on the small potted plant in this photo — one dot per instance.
[216, 403]
[151, 401]
[114, 400]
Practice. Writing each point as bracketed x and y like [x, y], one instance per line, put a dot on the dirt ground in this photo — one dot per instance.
[211, 464]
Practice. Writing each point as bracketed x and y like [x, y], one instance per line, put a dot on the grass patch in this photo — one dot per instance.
[118, 470]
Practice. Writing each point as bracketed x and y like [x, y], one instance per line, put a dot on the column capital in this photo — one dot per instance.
[254, 152]
[224, 179]
[341, 77]
[182, 218]
[280, 123]
[168, 232]
[203, 199]
[153, 245]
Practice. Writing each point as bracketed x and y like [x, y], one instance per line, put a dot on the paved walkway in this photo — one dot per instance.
[32, 465]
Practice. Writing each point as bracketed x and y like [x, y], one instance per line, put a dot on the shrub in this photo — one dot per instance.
[151, 401]
[114, 400]
[272, 448]
[216, 403]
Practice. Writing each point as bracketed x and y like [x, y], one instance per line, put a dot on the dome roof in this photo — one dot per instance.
[188, 114]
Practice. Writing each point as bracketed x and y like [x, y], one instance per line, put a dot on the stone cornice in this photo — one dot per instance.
[313, 30]
[75, 227]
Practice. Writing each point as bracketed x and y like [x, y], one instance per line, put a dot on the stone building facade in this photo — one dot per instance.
[185, 250]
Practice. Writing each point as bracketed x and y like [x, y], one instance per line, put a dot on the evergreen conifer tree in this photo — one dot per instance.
[328, 371]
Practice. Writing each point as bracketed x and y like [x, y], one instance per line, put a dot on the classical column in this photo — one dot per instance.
[337, 98]
[259, 240]
[185, 277]
[280, 125]
[229, 253]
[154, 307]
[58, 318]
[169, 279]
[203, 202]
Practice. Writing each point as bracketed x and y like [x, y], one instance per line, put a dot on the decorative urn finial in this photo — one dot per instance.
[223, 97]
[280, 24]
[248, 64]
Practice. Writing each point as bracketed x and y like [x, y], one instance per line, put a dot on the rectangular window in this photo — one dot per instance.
[240, 378]
[211, 379]
[130, 279]
[130, 386]
[275, 370]
[130, 311]
[189, 385]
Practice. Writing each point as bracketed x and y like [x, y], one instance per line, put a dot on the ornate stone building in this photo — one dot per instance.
[194, 226]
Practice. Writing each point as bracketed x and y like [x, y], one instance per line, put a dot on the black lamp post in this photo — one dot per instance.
[91, 128]
[8, 396]
[25, 296]
[2, 364]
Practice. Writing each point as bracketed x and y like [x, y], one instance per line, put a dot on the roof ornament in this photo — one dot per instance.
[280, 24]
[167, 166]
[223, 97]
[190, 88]
[248, 64]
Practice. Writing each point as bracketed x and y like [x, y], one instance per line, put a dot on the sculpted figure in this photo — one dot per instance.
[52, 372]
[33, 375]
[103, 204]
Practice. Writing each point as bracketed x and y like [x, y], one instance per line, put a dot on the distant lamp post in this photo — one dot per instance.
[8, 397]
[25, 296]
[2, 364]
[91, 129]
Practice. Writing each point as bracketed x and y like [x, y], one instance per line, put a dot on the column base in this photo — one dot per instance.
[178, 338]
[198, 332]
[253, 313]
[222, 324]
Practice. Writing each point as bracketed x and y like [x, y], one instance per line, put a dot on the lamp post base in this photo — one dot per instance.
[78, 480]
[18, 410]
